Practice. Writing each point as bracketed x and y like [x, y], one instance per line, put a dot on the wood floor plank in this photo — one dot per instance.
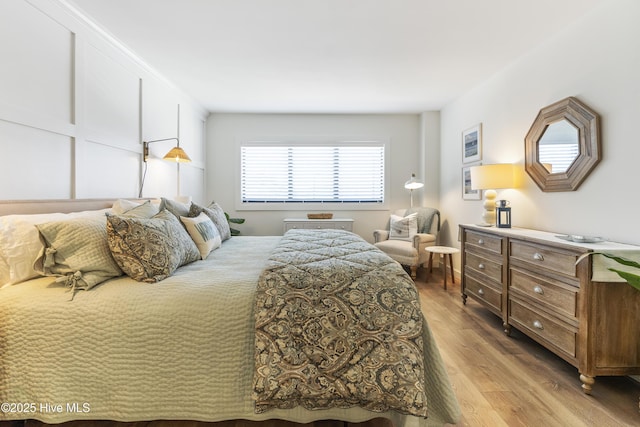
[501, 380]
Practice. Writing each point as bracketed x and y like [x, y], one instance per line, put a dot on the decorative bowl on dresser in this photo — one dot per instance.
[581, 312]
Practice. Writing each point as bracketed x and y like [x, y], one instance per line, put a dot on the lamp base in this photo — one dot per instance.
[489, 214]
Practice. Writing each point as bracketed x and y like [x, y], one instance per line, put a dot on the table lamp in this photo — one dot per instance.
[489, 178]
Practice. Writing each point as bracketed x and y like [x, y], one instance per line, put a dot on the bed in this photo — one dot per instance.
[187, 347]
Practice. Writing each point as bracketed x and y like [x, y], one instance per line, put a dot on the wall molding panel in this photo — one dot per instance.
[76, 106]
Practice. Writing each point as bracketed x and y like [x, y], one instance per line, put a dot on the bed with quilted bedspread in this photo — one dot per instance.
[221, 339]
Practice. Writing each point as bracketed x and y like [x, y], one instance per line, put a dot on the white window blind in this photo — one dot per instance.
[560, 156]
[319, 173]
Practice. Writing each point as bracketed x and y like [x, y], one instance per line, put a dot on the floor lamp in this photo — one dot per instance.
[413, 184]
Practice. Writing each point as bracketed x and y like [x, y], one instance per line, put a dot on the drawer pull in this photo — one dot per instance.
[538, 290]
[481, 266]
[538, 256]
[537, 324]
[480, 241]
[480, 292]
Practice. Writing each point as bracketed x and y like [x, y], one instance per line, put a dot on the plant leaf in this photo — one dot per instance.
[623, 261]
[632, 279]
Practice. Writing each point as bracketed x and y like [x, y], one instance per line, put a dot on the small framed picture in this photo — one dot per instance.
[472, 144]
[467, 192]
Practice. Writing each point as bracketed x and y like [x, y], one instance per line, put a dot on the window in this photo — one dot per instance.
[349, 172]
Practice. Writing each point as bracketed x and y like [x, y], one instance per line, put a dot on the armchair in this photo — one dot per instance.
[411, 253]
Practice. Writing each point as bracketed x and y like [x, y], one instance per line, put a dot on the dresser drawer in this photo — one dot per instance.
[293, 225]
[319, 225]
[483, 292]
[485, 241]
[551, 330]
[484, 266]
[558, 297]
[544, 257]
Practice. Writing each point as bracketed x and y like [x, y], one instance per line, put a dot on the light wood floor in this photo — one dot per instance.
[513, 381]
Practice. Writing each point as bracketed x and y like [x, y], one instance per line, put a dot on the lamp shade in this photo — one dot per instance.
[485, 177]
[413, 183]
[177, 154]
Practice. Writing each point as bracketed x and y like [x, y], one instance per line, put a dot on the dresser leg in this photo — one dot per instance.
[507, 329]
[587, 383]
[464, 299]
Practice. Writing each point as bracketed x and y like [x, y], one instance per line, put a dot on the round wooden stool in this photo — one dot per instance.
[447, 252]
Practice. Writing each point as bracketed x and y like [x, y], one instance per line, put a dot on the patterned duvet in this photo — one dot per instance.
[338, 324]
[182, 348]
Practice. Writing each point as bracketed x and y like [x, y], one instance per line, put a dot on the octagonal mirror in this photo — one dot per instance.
[563, 145]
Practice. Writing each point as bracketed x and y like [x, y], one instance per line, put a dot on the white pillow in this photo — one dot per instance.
[403, 228]
[120, 206]
[20, 243]
[203, 232]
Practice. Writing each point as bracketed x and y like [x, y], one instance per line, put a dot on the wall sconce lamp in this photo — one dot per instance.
[413, 184]
[489, 178]
[176, 154]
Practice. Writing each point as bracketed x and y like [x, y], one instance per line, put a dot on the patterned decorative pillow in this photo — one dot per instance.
[76, 250]
[150, 249]
[216, 213]
[203, 232]
[403, 228]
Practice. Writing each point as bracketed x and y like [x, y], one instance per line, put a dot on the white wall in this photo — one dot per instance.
[75, 106]
[596, 60]
[407, 134]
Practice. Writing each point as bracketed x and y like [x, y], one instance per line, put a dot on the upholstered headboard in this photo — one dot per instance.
[10, 207]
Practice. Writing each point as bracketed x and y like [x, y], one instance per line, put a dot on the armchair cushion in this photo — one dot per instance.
[399, 250]
[403, 228]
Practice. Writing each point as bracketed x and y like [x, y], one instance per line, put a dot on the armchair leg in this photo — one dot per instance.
[414, 270]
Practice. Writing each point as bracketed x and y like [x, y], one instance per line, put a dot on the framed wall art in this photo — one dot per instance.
[472, 144]
[467, 192]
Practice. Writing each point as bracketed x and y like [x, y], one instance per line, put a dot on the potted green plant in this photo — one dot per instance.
[631, 278]
[230, 220]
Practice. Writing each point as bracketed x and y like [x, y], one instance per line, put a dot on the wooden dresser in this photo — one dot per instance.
[581, 312]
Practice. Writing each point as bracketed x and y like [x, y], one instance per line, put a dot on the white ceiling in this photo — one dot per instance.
[330, 56]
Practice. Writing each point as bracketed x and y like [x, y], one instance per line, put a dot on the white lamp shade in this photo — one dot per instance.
[413, 183]
[486, 177]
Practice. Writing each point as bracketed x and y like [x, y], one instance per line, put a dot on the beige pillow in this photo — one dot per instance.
[20, 243]
[144, 210]
[403, 228]
[150, 249]
[76, 250]
[203, 232]
[216, 213]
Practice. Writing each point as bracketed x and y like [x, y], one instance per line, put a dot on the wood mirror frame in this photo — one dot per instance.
[587, 122]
